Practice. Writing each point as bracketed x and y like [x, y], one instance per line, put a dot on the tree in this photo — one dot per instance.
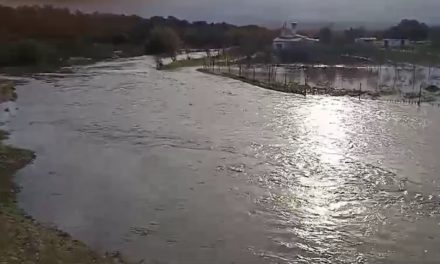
[408, 29]
[163, 40]
[325, 35]
[354, 33]
[434, 36]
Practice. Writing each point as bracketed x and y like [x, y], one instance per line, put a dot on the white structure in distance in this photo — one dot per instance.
[289, 38]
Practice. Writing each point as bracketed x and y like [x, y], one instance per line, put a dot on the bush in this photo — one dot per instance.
[27, 53]
[163, 40]
[325, 35]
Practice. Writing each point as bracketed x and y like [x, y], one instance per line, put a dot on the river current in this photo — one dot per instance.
[184, 167]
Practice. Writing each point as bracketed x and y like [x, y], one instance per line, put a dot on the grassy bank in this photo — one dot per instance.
[22, 240]
[296, 88]
[183, 63]
[7, 91]
[291, 88]
[32, 56]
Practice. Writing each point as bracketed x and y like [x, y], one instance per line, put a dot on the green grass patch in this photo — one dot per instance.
[290, 88]
[183, 63]
[7, 91]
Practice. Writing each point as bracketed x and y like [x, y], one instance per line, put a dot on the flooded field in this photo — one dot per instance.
[184, 167]
[397, 82]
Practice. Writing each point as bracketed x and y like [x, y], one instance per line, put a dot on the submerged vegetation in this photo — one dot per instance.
[272, 83]
[287, 88]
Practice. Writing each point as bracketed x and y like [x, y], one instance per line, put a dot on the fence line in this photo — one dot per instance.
[268, 76]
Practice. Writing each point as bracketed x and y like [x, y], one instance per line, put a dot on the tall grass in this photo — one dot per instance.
[27, 53]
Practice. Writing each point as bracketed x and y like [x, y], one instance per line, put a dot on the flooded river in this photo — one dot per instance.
[183, 167]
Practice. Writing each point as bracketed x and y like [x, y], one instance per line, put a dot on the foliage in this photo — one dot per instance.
[325, 35]
[26, 53]
[250, 39]
[163, 40]
[408, 29]
[58, 33]
[352, 33]
[49, 23]
[184, 63]
[434, 36]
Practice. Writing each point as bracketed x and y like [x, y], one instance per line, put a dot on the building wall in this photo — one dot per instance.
[284, 45]
[278, 46]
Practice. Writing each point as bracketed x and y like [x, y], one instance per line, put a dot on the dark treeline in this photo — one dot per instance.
[44, 34]
[407, 29]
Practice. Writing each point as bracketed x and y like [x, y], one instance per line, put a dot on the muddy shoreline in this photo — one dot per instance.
[23, 239]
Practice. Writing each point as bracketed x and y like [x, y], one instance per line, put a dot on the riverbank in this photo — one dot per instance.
[183, 63]
[22, 239]
[292, 87]
[195, 59]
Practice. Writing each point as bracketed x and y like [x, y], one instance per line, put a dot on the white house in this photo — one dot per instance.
[395, 43]
[289, 38]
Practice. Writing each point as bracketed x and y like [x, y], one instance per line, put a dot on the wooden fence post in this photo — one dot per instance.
[268, 76]
[414, 77]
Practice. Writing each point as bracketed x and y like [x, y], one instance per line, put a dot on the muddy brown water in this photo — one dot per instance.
[183, 167]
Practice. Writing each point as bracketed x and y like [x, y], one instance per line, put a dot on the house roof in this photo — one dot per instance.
[295, 39]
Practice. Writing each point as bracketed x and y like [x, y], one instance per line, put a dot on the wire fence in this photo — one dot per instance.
[295, 79]
[277, 78]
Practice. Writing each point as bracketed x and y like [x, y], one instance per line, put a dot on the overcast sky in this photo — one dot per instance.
[264, 11]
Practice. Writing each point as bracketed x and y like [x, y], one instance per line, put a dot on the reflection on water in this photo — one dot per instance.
[182, 167]
[342, 202]
[400, 81]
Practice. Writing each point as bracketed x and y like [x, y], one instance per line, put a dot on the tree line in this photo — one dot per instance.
[33, 34]
[407, 29]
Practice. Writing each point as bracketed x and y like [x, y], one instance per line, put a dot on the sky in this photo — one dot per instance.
[264, 12]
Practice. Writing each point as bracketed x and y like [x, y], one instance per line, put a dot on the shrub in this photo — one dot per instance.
[27, 53]
[163, 40]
